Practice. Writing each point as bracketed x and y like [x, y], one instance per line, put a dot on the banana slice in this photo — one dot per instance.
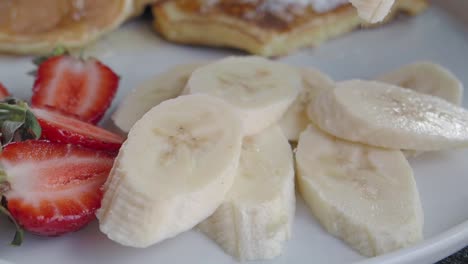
[295, 120]
[427, 78]
[364, 195]
[373, 11]
[152, 92]
[255, 219]
[261, 90]
[389, 116]
[174, 170]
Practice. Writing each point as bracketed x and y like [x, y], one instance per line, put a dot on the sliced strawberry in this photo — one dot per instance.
[61, 128]
[3, 91]
[53, 188]
[84, 88]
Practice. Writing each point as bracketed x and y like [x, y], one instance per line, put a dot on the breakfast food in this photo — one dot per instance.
[365, 195]
[52, 188]
[389, 116]
[174, 170]
[32, 27]
[256, 216]
[295, 120]
[336, 177]
[74, 86]
[428, 78]
[164, 86]
[265, 27]
[208, 147]
[268, 27]
[259, 89]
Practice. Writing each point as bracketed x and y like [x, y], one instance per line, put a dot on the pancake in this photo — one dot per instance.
[243, 25]
[36, 27]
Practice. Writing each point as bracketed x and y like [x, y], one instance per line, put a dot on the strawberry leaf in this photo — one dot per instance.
[17, 122]
[31, 128]
[19, 234]
[9, 129]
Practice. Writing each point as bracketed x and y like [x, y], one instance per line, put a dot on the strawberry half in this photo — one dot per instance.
[83, 88]
[4, 93]
[53, 188]
[57, 127]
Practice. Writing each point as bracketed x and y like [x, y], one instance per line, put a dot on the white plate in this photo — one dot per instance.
[135, 53]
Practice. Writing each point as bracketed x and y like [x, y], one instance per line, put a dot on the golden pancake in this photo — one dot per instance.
[243, 25]
[28, 26]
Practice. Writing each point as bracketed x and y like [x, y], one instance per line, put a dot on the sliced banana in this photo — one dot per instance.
[389, 116]
[364, 195]
[152, 92]
[255, 219]
[373, 11]
[295, 120]
[174, 170]
[261, 90]
[427, 78]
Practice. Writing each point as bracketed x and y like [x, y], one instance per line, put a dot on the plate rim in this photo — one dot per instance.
[434, 248]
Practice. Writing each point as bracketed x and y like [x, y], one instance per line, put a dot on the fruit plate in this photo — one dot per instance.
[439, 35]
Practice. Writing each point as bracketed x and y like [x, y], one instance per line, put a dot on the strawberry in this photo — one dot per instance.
[61, 128]
[3, 91]
[84, 88]
[52, 188]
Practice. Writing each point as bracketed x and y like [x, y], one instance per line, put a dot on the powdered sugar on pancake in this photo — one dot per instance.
[319, 6]
[284, 9]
